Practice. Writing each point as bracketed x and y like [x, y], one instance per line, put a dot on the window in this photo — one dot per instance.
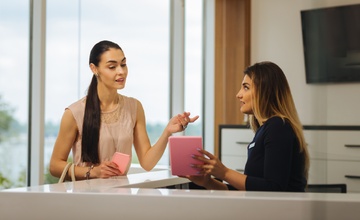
[14, 66]
[193, 62]
[73, 27]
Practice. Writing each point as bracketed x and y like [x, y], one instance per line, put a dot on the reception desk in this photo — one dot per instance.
[159, 195]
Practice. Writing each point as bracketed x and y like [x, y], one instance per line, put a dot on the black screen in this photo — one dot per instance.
[331, 40]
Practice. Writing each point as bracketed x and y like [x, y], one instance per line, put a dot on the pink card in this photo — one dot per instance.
[122, 160]
[181, 150]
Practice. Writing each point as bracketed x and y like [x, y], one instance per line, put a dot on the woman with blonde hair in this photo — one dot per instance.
[278, 158]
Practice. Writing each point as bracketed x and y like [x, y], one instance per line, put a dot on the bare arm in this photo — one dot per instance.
[67, 136]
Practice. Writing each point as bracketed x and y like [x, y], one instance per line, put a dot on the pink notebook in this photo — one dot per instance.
[181, 149]
[122, 160]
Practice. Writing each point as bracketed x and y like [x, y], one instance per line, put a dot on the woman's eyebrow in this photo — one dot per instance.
[114, 61]
[111, 61]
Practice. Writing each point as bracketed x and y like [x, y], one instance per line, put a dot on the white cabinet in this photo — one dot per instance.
[316, 140]
[334, 152]
[334, 155]
[234, 140]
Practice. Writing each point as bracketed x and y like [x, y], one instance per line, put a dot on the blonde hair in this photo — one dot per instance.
[272, 97]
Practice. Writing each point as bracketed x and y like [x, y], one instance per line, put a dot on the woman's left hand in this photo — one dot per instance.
[180, 122]
[211, 164]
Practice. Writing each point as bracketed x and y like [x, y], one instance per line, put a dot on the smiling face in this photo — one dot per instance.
[112, 69]
[245, 96]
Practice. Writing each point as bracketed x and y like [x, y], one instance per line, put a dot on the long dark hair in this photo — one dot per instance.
[92, 116]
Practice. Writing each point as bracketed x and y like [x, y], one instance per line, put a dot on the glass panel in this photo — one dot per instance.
[193, 63]
[62, 69]
[73, 27]
[14, 81]
[141, 28]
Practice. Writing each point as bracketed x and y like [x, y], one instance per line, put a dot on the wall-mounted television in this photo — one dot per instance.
[331, 41]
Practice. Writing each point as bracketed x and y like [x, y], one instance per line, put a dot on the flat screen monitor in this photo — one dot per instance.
[331, 41]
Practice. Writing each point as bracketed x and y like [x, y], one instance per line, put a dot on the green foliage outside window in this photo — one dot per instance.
[5, 124]
[5, 119]
[4, 182]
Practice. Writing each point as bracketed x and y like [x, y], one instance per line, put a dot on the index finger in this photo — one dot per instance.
[208, 154]
[193, 119]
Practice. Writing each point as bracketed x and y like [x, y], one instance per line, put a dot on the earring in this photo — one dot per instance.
[96, 74]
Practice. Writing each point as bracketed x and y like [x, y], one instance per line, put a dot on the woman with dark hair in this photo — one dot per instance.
[105, 122]
[278, 158]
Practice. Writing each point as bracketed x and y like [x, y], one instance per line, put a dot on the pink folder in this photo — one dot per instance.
[181, 150]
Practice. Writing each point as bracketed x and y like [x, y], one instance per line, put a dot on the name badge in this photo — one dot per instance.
[252, 145]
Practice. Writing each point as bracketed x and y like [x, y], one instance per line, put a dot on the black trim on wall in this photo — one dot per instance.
[306, 127]
[332, 127]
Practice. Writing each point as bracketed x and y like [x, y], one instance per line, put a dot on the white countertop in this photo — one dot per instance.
[137, 178]
[138, 196]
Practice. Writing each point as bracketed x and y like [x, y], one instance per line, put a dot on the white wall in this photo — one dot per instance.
[276, 36]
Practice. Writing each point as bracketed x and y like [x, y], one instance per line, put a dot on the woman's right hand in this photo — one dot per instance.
[180, 122]
[107, 169]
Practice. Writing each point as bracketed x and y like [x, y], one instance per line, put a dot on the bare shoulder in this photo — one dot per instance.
[68, 120]
[138, 103]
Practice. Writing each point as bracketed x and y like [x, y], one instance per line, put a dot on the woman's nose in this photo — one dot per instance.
[121, 70]
[239, 94]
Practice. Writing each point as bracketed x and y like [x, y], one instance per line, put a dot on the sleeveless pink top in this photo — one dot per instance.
[116, 131]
